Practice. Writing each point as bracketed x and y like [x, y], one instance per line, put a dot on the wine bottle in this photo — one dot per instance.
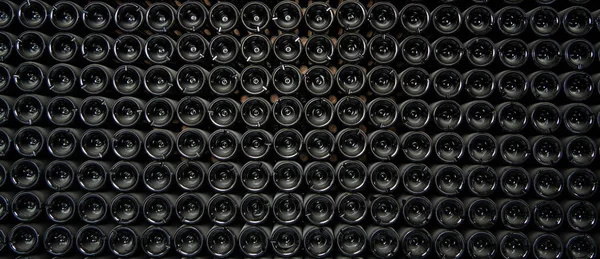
[416, 178]
[578, 117]
[255, 208]
[192, 47]
[27, 206]
[224, 48]
[579, 245]
[125, 208]
[416, 242]
[318, 17]
[482, 180]
[579, 53]
[319, 176]
[382, 80]
[254, 240]
[514, 181]
[192, 110]
[97, 16]
[286, 79]
[384, 209]
[64, 47]
[129, 17]
[60, 207]
[33, 14]
[446, 19]
[479, 19]
[318, 80]
[223, 176]
[448, 50]
[577, 21]
[581, 216]
[286, 240]
[287, 175]
[127, 143]
[350, 142]
[581, 182]
[223, 112]
[30, 141]
[29, 108]
[449, 212]
[286, 15]
[513, 53]
[158, 208]
[24, 239]
[545, 53]
[61, 78]
[96, 47]
[511, 20]
[384, 144]
[125, 175]
[9, 12]
[318, 241]
[383, 48]
[383, 112]
[447, 114]
[416, 210]
[479, 83]
[29, 76]
[350, 110]
[350, 78]
[95, 110]
[319, 49]
[223, 208]
[287, 143]
[416, 145]
[160, 111]
[319, 209]
[482, 213]
[383, 242]
[414, 18]
[480, 51]
[320, 143]
[92, 208]
[448, 243]
[190, 208]
[159, 144]
[158, 176]
[255, 176]
[128, 48]
[546, 245]
[544, 85]
[547, 215]
[580, 150]
[160, 17]
[447, 82]
[547, 182]
[92, 174]
[287, 208]
[382, 16]
[480, 244]
[192, 16]
[255, 80]
[544, 20]
[157, 241]
[255, 112]
[127, 111]
[351, 175]
[287, 48]
[64, 15]
[60, 174]
[223, 144]
[448, 179]
[58, 240]
[223, 17]
[449, 147]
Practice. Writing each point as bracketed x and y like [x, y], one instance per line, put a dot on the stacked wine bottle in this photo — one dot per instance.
[417, 129]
